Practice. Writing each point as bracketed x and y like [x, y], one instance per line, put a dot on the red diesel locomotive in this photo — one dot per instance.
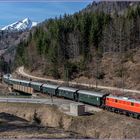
[123, 105]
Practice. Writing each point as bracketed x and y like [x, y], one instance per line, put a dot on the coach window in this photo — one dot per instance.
[132, 104]
[116, 100]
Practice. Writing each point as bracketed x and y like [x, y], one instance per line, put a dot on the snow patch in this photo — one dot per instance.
[25, 24]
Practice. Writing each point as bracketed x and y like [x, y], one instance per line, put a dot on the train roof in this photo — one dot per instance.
[68, 89]
[24, 81]
[50, 86]
[16, 80]
[124, 98]
[86, 92]
[20, 81]
[36, 83]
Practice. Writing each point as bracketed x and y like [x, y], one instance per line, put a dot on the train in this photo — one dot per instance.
[117, 104]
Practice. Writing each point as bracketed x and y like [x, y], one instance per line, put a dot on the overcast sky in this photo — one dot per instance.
[13, 10]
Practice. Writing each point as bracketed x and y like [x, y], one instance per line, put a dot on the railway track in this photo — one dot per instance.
[21, 71]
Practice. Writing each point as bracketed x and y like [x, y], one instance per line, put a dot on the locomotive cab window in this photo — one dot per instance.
[132, 104]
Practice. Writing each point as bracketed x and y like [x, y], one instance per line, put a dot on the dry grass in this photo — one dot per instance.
[100, 125]
[24, 124]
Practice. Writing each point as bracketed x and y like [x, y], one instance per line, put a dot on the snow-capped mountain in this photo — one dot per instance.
[22, 25]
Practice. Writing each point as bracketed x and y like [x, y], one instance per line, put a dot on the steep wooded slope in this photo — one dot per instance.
[95, 46]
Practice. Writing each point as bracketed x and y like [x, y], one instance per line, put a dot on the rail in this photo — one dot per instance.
[20, 71]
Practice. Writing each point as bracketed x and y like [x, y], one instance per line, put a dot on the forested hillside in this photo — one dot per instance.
[8, 43]
[89, 46]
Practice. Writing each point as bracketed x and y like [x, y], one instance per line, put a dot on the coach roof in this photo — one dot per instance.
[50, 86]
[92, 93]
[68, 89]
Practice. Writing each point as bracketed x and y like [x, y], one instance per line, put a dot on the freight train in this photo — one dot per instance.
[122, 105]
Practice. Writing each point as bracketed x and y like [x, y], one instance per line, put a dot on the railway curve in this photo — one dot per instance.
[21, 72]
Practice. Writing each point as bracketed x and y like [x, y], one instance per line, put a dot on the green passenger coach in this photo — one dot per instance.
[50, 89]
[90, 97]
[67, 92]
[15, 81]
[36, 86]
[25, 83]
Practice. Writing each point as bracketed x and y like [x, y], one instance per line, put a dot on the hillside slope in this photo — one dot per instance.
[103, 125]
[111, 7]
[95, 47]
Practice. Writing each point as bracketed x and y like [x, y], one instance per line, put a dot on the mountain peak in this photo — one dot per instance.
[25, 24]
[26, 20]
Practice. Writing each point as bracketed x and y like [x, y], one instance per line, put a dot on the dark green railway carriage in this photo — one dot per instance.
[15, 81]
[36, 86]
[91, 97]
[25, 83]
[50, 89]
[20, 82]
[67, 92]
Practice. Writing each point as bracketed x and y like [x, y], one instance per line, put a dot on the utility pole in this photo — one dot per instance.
[51, 97]
[97, 69]
[121, 46]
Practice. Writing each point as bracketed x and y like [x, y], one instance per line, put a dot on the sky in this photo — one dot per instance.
[37, 10]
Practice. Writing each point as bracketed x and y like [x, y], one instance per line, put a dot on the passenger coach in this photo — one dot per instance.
[91, 97]
[67, 92]
[50, 89]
